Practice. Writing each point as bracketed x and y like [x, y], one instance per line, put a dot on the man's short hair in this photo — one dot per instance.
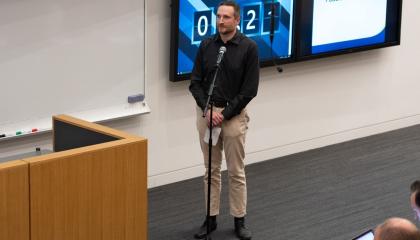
[233, 4]
[415, 188]
[392, 229]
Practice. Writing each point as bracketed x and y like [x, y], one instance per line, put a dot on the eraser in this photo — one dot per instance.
[135, 98]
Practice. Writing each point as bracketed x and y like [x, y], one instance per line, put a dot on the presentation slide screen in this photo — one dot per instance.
[331, 26]
[195, 20]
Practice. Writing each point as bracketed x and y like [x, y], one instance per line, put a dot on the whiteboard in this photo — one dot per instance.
[77, 57]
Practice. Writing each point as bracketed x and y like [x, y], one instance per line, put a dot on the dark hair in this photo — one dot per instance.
[415, 188]
[233, 4]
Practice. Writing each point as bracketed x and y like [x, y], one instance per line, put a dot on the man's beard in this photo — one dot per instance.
[226, 31]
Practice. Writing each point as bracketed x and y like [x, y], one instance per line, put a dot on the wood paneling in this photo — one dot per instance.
[96, 193]
[88, 193]
[14, 201]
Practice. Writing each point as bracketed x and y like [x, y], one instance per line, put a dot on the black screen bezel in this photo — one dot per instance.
[363, 234]
[302, 21]
[303, 32]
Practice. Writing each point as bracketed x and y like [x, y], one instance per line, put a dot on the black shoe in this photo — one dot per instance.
[202, 232]
[241, 231]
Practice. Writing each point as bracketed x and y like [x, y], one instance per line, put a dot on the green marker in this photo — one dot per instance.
[18, 133]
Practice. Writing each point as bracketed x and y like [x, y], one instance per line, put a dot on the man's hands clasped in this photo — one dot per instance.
[217, 118]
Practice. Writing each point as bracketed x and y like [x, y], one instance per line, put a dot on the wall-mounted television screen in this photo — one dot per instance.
[195, 20]
[330, 27]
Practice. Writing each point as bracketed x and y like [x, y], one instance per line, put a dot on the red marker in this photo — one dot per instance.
[34, 130]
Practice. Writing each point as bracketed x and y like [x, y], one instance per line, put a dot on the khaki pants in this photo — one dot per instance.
[232, 139]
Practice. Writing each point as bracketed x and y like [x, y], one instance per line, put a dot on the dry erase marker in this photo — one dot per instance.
[22, 132]
[34, 130]
[6, 135]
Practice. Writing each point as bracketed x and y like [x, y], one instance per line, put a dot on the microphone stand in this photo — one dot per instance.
[210, 103]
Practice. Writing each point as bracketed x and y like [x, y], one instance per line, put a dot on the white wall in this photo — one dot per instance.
[73, 56]
[312, 104]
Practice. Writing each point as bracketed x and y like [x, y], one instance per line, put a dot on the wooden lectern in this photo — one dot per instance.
[93, 186]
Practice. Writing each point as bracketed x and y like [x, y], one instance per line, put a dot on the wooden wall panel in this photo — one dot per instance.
[96, 194]
[14, 201]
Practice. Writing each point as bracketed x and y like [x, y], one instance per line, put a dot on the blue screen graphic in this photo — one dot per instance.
[197, 21]
[343, 24]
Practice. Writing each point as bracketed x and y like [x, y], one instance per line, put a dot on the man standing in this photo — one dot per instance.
[236, 85]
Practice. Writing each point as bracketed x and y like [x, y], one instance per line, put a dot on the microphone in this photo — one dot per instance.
[222, 51]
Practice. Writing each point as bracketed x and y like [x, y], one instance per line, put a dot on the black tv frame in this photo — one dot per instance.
[173, 59]
[300, 6]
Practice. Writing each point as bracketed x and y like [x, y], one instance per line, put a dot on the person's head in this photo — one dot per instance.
[415, 199]
[397, 229]
[228, 17]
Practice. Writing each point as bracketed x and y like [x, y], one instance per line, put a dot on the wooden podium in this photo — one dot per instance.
[94, 186]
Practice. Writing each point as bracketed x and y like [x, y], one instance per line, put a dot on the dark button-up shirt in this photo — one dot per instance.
[238, 77]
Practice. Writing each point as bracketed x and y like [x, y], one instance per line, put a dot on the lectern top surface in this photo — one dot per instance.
[25, 155]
